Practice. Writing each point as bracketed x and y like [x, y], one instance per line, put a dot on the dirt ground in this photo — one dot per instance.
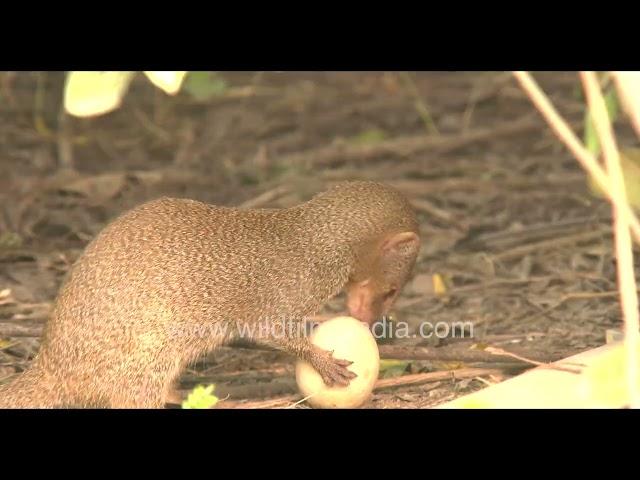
[517, 252]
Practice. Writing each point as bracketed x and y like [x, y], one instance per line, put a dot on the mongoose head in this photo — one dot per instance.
[384, 270]
[379, 228]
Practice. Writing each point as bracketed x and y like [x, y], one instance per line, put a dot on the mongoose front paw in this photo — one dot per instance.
[332, 370]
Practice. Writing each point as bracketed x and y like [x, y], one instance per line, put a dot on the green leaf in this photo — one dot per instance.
[200, 397]
[94, 93]
[590, 135]
[10, 240]
[613, 105]
[170, 82]
[369, 137]
[204, 85]
[392, 368]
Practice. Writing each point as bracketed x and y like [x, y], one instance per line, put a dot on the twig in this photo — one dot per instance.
[273, 387]
[302, 400]
[265, 197]
[418, 378]
[38, 107]
[4, 347]
[283, 401]
[564, 298]
[420, 187]
[64, 143]
[151, 127]
[445, 354]
[482, 93]
[497, 283]
[548, 244]
[426, 206]
[624, 251]
[409, 145]
[500, 351]
[16, 330]
[533, 231]
[587, 295]
[420, 104]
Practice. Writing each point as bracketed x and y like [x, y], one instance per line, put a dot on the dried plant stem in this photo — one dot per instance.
[624, 251]
[586, 159]
[628, 84]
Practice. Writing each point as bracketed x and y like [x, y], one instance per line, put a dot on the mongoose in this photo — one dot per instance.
[173, 279]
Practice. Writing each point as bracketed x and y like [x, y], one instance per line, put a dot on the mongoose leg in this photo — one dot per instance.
[332, 370]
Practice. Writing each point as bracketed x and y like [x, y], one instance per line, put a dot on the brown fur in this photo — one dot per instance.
[147, 295]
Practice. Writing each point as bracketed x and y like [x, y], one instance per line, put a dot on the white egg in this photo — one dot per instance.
[349, 339]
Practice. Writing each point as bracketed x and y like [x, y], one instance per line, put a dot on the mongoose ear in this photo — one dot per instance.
[398, 255]
[405, 243]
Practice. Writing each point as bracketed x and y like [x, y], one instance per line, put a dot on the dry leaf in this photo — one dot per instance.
[439, 285]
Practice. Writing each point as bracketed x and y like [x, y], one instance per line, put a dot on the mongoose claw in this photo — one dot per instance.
[332, 370]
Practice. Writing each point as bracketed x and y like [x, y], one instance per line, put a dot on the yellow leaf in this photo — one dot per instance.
[94, 93]
[474, 403]
[201, 397]
[170, 82]
[630, 163]
[605, 381]
[439, 285]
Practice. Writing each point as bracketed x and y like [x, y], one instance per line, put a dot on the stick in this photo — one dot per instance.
[422, 205]
[548, 244]
[456, 355]
[500, 351]
[413, 187]
[409, 145]
[265, 197]
[16, 330]
[283, 401]
[419, 378]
